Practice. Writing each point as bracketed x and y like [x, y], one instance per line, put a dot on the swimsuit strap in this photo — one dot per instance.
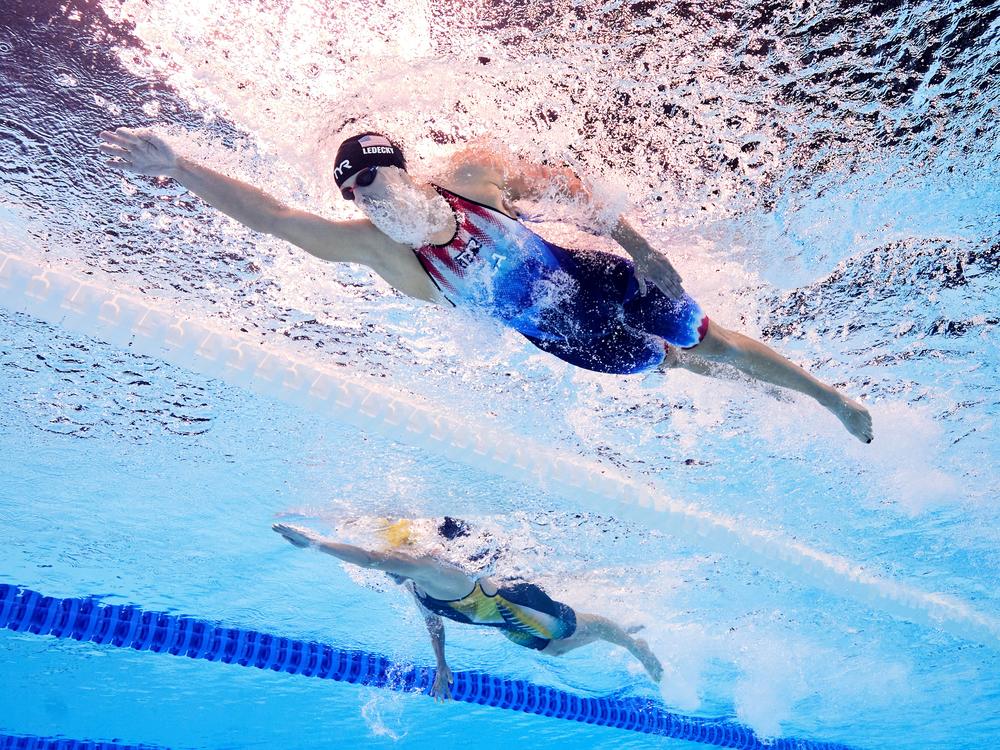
[424, 596]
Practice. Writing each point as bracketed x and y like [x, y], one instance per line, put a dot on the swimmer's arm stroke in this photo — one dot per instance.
[142, 152]
[649, 262]
[437, 578]
[396, 563]
[441, 689]
[525, 179]
[518, 178]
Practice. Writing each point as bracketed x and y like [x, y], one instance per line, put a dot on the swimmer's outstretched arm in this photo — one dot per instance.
[439, 579]
[144, 153]
[427, 575]
[388, 562]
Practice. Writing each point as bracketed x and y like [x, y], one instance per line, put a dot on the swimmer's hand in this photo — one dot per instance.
[296, 535]
[441, 689]
[655, 268]
[139, 152]
[650, 264]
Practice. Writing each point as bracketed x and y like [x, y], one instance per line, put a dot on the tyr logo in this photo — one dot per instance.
[345, 164]
[467, 256]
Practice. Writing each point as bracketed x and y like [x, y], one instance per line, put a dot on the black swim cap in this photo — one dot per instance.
[452, 528]
[365, 150]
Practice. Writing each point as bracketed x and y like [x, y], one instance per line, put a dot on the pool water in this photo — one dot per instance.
[824, 177]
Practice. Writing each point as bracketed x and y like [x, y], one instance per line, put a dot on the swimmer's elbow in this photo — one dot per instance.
[334, 241]
[537, 181]
[284, 223]
[394, 562]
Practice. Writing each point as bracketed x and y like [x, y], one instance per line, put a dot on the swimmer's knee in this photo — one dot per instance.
[671, 358]
[555, 647]
[716, 342]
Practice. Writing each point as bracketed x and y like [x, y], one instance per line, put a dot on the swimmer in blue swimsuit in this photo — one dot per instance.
[459, 242]
[521, 611]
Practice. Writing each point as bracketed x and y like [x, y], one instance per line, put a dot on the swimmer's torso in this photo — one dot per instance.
[582, 306]
[496, 265]
[522, 611]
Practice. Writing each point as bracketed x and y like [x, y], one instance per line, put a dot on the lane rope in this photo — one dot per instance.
[23, 610]
[90, 309]
[34, 742]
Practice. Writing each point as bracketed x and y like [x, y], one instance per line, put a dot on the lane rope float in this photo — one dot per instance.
[23, 610]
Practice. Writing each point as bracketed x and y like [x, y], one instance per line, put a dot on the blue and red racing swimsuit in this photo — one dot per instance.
[583, 306]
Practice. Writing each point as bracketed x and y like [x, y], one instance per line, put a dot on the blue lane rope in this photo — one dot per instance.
[32, 742]
[157, 329]
[126, 626]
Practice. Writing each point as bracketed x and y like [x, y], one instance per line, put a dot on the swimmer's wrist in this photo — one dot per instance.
[179, 169]
[625, 235]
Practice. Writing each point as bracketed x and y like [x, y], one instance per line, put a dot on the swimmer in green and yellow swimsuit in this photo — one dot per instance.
[522, 612]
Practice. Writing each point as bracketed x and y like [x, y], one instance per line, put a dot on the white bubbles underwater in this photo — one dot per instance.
[824, 177]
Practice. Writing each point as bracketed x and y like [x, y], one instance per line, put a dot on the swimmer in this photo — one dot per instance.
[460, 241]
[521, 611]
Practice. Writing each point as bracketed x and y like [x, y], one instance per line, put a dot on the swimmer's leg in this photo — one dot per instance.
[591, 628]
[687, 360]
[761, 362]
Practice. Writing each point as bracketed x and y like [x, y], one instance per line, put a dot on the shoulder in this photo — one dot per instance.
[481, 174]
[474, 163]
[440, 579]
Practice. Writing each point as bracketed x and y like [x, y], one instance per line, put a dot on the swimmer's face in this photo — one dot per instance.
[395, 204]
[375, 184]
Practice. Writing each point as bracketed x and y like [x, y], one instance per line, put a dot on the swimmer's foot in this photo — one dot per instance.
[852, 415]
[633, 629]
[641, 651]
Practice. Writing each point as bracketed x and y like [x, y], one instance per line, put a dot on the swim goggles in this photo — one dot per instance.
[365, 178]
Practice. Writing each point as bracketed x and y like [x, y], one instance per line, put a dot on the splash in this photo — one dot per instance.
[819, 173]
[906, 465]
[407, 213]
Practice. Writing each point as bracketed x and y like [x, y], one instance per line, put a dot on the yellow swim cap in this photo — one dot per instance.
[398, 533]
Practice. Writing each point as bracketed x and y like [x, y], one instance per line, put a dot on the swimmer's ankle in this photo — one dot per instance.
[829, 397]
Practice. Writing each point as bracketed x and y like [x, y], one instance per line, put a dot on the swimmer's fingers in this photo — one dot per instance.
[133, 140]
[110, 150]
[140, 152]
[668, 284]
[115, 139]
[293, 534]
[121, 136]
[443, 680]
[129, 134]
[125, 163]
[666, 277]
[673, 289]
[656, 671]
[666, 269]
[287, 530]
[121, 165]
